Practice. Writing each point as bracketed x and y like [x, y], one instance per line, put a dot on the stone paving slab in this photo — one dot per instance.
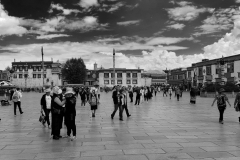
[161, 129]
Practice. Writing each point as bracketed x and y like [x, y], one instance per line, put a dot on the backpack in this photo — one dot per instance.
[221, 101]
[15, 97]
[93, 100]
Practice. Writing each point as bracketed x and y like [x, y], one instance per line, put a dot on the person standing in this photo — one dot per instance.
[146, 94]
[221, 99]
[46, 105]
[131, 93]
[192, 96]
[56, 113]
[138, 96]
[141, 95]
[124, 101]
[70, 113]
[117, 103]
[237, 101]
[93, 101]
[155, 90]
[16, 98]
[170, 92]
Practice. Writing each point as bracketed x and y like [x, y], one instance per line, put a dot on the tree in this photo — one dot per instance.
[9, 69]
[74, 71]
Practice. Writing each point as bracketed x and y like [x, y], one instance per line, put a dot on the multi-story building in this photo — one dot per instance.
[30, 74]
[149, 78]
[177, 77]
[122, 76]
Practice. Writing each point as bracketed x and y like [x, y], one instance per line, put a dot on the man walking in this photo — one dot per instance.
[124, 101]
[117, 103]
[138, 95]
[16, 98]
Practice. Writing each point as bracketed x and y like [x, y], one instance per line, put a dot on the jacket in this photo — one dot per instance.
[43, 101]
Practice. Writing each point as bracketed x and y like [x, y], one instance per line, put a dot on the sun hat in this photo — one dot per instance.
[221, 90]
[59, 91]
[47, 90]
[55, 89]
[69, 90]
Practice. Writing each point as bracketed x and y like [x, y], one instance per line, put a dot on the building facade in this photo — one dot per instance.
[30, 74]
[122, 76]
[177, 77]
[153, 79]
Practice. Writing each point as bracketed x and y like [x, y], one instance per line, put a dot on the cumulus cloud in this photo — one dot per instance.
[51, 36]
[9, 25]
[127, 23]
[177, 26]
[65, 11]
[115, 7]
[186, 12]
[88, 3]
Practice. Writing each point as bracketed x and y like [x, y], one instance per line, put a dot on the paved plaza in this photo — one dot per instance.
[162, 129]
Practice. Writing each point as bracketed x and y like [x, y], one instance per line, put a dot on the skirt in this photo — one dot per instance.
[94, 107]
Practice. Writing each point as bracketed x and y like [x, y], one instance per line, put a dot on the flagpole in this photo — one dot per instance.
[114, 66]
[42, 67]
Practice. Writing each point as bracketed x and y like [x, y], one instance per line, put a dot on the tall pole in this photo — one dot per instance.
[114, 66]
[42, 67]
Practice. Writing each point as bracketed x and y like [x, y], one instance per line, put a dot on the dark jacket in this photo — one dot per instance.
[43, 101]
[70, 106]
[115, 97]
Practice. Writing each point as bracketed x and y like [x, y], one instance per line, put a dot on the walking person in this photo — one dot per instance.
[16, 98]
[56, 113]
[46, 105]
[170, 92]
[237, 101]
[131, 93]
[97, 91]
[93, 101]
[141, 95]
[70, 113]
[178, 92]
[165, 91]
[155, 90]
[117, 103]
[192, 96]
[221, 99]
[83, 95]
[138, 96]
[146, 94]
[124, 101]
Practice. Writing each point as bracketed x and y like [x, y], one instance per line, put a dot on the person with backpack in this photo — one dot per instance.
[16, 98]
[237, 101]
[70, 112]
[221, 99]
[93, 101]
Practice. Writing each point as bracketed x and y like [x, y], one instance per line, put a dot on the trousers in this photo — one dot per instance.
[19, 107]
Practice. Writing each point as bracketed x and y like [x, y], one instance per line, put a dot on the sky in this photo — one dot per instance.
[147, 34]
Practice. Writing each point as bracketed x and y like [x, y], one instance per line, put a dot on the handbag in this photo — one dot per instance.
[42, 118]
[237, 107]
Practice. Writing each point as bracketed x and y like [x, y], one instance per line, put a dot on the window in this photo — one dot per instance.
[39, 75]
[112, 82]
[106, 75]
[34, 76]
[208, 70]
[20, 75]
[170, 77]
[128, 81]
[119, 82]
[175, 77]
[39, 68]
[45, 68]
[15, 76]
[106, 82]
[238, 75]
[25, 68]
[134, 75]
[230, 68]
[20, 69]
[25, 75]
[128, 75]
[112, 75]
[34, 68]
[189, 74]
[217, 70]
[45, 76]
[119, 75]
[134, 81]
[15, 68]
[200, 71]
[180, 76]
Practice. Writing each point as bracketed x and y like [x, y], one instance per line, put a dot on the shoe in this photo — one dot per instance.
[21, 113]
[221, 122]
[111, 116]
[73, 138]
[59, 136]
[239, 119]
[129, 115]
[121, 119]
[93, 115]
[55, 137]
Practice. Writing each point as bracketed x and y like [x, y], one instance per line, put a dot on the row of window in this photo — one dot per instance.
[25, 76]
[119, 75]
[35, 68]
[121, 82]
[177, 77]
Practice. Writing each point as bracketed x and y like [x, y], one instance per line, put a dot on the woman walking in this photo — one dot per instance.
[221, 99]
[237, 101]
[192, 96]
[93, 101]
[46, 105]
[56, 113]
[70, 113]
[124, 101]
[170, 92]
[141, 95]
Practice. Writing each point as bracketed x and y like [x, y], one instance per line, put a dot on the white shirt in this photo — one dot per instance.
[48, 101]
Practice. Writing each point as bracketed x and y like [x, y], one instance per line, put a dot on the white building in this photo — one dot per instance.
[30, 74]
